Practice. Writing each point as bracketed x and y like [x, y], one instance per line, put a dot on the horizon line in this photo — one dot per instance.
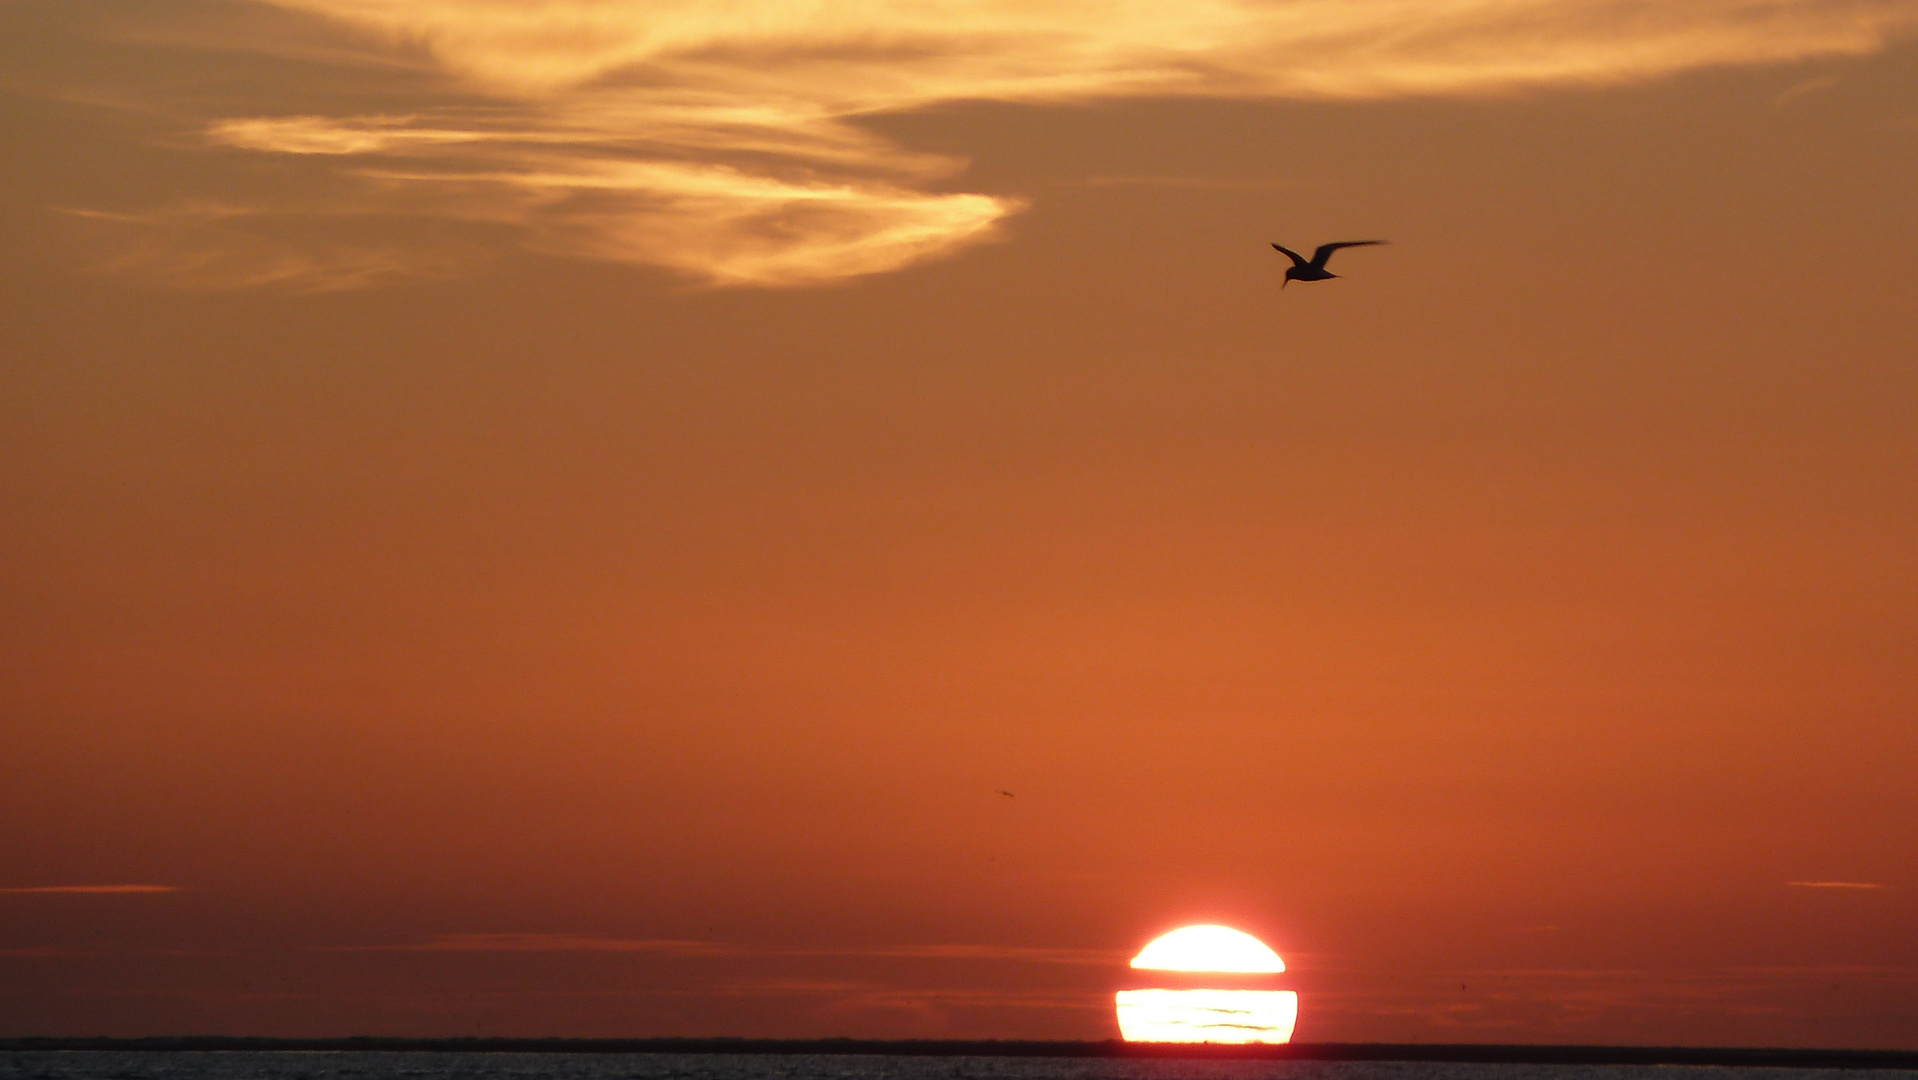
[1488, 1053]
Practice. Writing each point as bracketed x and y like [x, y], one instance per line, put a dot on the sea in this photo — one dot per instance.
[443, 1065]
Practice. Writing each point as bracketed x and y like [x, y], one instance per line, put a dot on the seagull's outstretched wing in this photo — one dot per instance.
[1297, 259]
[1325, 250]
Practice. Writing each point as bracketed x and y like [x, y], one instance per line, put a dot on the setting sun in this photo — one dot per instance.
[1232, 1011]
[1208, 948]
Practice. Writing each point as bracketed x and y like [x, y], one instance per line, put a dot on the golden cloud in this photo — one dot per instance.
[720, 138]
[842, 56]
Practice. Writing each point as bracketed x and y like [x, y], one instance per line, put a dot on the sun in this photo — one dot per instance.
[1217, 990]
[1208, 948]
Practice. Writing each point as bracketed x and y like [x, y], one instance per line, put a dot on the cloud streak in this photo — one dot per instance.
[677, 947]
[722, 141]
[550, 943]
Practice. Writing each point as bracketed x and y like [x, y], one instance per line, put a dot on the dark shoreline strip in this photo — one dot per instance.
[1434, 1052]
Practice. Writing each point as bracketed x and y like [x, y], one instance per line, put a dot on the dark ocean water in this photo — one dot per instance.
[375, 1065]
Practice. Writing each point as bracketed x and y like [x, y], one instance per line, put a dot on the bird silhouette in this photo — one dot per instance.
[1313, 269]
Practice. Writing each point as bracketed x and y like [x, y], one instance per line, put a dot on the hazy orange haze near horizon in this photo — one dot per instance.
[564, 519]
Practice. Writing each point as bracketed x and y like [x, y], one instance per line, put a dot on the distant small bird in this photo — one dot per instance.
[1313, 269]
[1007, 794]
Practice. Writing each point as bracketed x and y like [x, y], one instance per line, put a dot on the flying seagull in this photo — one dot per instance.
[1314, 269]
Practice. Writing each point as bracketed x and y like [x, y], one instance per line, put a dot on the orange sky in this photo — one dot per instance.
[561, 519]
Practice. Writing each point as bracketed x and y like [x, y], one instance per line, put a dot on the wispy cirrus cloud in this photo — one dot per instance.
[823, 60]
[722, 141]
[327, 247]
[89, 890]
[1836, 885]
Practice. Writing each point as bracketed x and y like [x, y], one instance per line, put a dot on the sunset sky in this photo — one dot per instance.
[570, 518]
